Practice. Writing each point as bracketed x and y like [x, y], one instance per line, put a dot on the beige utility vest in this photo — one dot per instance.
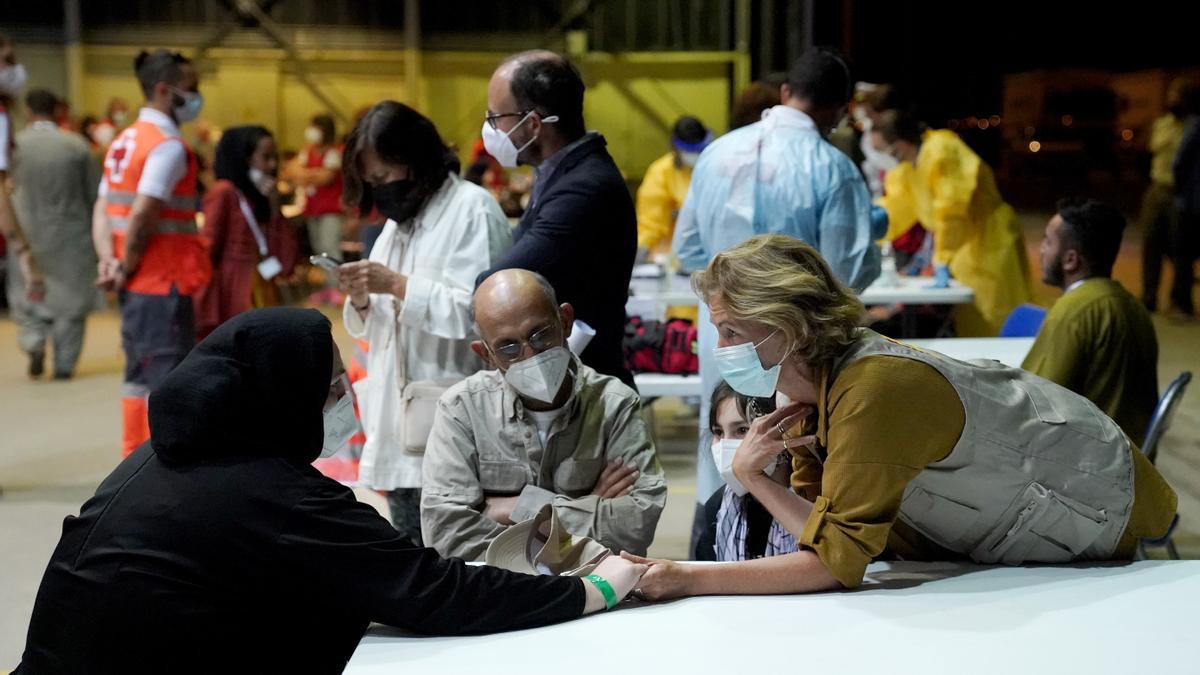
[1039, 474]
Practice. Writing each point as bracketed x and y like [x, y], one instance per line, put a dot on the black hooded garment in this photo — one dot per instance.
[217, 547]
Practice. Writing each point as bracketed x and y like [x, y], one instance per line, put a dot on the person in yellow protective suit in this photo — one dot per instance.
[941, 183]
[665, 185]
[663, 190]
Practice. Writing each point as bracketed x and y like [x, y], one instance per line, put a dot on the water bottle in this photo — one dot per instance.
[888, 277]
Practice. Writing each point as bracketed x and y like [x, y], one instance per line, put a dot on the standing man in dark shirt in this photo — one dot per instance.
[579, 229]
[1185, 240]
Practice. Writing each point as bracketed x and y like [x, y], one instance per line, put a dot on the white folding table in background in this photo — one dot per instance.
[928, 618]
[1009, 351]
[916, 291]
[651, 296]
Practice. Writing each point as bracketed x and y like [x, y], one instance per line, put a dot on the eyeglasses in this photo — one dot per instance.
[542, 339]
[491, 117]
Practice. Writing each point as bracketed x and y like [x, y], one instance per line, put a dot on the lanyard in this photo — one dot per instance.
[259, 237]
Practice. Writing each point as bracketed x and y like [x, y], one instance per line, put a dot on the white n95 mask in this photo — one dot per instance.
[12, 78]
[500, 145]
[340, 425]
[723, 452]
[540, 376]
[263, 182]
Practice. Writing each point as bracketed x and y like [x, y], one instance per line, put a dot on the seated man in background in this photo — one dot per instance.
[1097, 339]
[539, 428]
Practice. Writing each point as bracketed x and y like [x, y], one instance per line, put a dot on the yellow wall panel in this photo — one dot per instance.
[633, 99]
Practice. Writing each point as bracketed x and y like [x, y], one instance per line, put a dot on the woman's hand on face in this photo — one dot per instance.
[765, 440]
[663, 580]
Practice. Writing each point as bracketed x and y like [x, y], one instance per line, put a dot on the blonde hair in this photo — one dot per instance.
[784, 283]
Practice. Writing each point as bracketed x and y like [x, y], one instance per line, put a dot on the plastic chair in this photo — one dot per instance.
[1024, 321]
[1160, 422]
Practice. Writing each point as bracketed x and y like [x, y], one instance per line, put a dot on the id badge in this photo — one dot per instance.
[270, 268]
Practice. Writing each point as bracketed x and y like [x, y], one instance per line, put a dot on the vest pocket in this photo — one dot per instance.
[501, 476]
[943, 520]
[574, 476]
[1042, 526]
[1065, 408]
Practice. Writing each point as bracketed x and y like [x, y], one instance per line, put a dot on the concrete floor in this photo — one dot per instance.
[58, 440]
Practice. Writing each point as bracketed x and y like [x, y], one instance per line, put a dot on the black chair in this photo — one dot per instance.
[1160, 422]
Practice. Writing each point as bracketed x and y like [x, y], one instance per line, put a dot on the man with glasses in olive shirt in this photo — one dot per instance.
[539, 428]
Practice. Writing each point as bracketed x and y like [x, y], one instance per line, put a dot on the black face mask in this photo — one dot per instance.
[399, 200]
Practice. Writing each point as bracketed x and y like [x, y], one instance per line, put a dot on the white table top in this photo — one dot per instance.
[1009, 351]
[675, 289]
[927, 618]
[672, 289]
[916, 291]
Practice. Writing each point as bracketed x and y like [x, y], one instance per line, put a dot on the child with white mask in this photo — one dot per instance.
[737, 526]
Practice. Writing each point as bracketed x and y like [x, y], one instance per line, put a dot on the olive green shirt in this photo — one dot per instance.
[1099, 342]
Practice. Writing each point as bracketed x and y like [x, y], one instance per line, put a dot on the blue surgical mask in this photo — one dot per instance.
[743, 370]
[189, 110]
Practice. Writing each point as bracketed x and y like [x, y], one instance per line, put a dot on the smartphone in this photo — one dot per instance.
[325, 261]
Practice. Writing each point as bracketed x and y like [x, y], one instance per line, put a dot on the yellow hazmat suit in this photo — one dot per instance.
[659, 199]
[953, 193]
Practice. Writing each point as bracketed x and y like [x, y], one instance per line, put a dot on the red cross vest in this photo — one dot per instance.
[176, 253]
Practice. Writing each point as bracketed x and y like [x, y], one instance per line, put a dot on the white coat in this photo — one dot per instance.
[460, 233]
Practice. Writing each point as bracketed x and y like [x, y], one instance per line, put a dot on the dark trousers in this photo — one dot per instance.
[1183, 259]
[1158, 222]
[157, 332]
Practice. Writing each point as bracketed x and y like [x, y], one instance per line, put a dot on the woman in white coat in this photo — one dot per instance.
[412, 300]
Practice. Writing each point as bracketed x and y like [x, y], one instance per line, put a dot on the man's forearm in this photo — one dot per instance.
[142, 219]
[101, 234]
[9, 226]
[136, 239]
[458, 531]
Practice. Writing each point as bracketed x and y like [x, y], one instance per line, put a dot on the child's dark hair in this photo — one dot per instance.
[749, 407]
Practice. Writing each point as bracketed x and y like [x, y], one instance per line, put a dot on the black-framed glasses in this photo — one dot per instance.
[542, 339]
[491, 117]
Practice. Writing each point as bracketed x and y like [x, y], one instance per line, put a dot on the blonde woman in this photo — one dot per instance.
[899, 449]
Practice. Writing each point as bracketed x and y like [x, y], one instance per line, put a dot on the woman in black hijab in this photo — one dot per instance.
[216, 547]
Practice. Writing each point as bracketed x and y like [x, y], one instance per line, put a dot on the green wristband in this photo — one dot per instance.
[606, 589]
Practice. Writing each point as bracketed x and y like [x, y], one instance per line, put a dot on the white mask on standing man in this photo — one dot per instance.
[500, 145]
